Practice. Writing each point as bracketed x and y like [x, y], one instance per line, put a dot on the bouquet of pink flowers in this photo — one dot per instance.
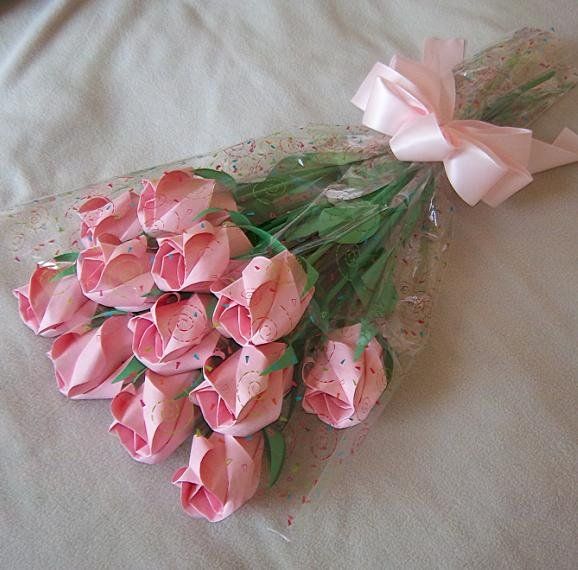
[267, 298]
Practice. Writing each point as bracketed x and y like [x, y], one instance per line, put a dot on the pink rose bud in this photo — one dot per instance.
[194, 260]
[149, 421]
[222, 475]
[265, 303]
[176, 336]
[51, 305]
[171, 204]
[236, 398]
[117, 217]
[117, 274]
[86, 363]
[340, 390]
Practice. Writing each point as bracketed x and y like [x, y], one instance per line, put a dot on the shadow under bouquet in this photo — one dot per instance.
[267, 298]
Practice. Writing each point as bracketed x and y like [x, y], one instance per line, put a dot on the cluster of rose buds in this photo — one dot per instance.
[159, 288]
[167, 297]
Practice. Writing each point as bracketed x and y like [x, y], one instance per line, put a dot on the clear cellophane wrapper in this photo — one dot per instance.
[38, 230]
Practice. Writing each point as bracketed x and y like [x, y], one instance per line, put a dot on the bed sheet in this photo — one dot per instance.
[473, 464]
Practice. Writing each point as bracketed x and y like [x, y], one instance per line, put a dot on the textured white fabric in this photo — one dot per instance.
[473, 464]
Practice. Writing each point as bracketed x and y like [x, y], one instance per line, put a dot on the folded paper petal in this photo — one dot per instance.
[265, 303]
[222, 475]
[149, 422]
[340, 390]
[52, 305]
[176, 336]
[86, 361]
[101, 215]
[236, 398]
[117, 274]
[171, 204]
[194, 260]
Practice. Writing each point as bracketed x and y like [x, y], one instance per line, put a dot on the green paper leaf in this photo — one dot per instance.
[349, 223]
[305, 164]
[238, 219]
[134, 368]
[68, 256]
[275, 446]
[376, 289]
[185, 393]
[312, 276]
[154, 292]
[308, 225]
[221, 177]
[367, 332]
[267, 242]
[111, 313]
[319, 317]
[288, 358]
[70, 270]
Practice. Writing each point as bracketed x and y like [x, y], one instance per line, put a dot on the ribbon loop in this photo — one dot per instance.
[413, 103]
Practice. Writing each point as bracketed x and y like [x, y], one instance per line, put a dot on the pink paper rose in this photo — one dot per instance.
[342, 391]
[117, 274]
[176, 335]
[194, 260]
[117, 217]
[52, 306]
[265, 303]
[170, 204]
[236, 398]
[85, 363]
[149, 421]
[222, 475]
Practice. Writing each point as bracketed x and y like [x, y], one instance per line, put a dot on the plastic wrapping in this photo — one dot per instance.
[284, 182]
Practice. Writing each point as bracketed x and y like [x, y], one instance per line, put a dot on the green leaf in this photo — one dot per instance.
[68, 256]
[388, 357]
[367, 332]
[70, 270]
[389, 363]
[349, 222]
[376, 288]
[275, 446]
[312, 162]
[312, 276]
[221, 177]
[134, 368]
[111, 313]
[267, 242]
[154, 292]
[319, 317]
[238, 219]
[306, 226]
[288, 358]
[185, 393]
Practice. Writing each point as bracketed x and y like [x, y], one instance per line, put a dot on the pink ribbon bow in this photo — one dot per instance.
[414, 104]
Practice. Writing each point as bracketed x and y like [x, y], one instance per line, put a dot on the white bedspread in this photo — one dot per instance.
[473, 464]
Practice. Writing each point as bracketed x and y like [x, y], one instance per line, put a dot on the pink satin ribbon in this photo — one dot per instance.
[414, 103]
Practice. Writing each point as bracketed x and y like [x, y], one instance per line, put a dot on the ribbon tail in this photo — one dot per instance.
[564, 150]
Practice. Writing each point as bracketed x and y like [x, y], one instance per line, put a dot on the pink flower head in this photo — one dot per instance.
[86, 363]
[117, 217]
[265, 303]
[342, 391]
[117, 274]
[52, 305]
[176, 335]
[149, 421]
[195, 259]
[222, 475]
[171, 204]
[236, 398]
